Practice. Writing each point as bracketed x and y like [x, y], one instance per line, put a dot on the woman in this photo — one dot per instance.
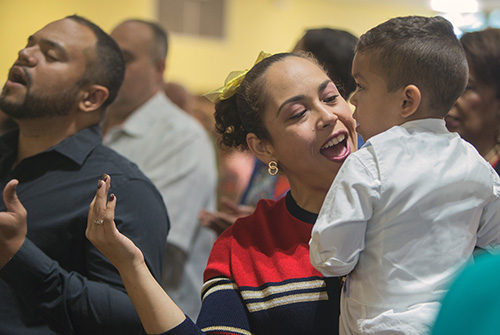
[476, 114]
[289, 113]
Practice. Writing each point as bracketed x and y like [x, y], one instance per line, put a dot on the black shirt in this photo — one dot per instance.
[58, 282]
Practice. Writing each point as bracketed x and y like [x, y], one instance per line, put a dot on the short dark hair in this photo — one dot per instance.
[160, 46]
[107, 67]
[334, 50]
[482, 49]
[423, 51]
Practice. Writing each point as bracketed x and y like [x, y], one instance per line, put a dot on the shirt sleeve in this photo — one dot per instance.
[94, 302]
[488, 235]
[338, 236]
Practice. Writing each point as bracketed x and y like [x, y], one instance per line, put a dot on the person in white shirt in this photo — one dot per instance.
[407, 210]
[172, 149]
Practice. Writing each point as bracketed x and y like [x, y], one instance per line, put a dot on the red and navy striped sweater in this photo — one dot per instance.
[259, 279]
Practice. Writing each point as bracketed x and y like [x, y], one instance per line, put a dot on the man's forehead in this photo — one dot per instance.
[68, 33]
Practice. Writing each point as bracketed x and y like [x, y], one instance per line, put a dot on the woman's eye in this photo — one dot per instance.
[298, 115]
[331, 98]
[358, 86]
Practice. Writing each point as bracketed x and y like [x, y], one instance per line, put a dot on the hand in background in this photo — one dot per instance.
[102, 231]
[13, 227]
[221, 220]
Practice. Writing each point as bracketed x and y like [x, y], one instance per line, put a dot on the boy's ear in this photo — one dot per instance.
[93, 98]
[411, 101]
[262, 149]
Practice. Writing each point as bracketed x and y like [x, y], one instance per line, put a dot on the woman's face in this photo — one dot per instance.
[476, 114]
[311, 126]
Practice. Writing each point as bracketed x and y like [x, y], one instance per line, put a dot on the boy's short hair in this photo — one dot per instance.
[423, 51]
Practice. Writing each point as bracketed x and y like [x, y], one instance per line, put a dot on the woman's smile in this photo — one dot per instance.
[337, 147]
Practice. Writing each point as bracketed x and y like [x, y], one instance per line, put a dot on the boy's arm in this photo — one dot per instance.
[339, 233]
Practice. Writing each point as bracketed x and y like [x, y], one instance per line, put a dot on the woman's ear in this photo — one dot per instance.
[93, 98]
[411, 101]
[262, 149]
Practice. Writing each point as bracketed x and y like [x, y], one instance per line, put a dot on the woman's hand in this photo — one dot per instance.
[158, 313]
[102, 232]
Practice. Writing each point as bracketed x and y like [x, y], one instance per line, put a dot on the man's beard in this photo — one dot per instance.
[38, 106]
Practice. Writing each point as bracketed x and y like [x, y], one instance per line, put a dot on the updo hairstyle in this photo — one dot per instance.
[243, 112]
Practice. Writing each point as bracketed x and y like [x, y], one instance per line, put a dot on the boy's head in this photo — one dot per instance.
[421, 65]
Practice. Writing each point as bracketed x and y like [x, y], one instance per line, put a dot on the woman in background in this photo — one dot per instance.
[476, 114]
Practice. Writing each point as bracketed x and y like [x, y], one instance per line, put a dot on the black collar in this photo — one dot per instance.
[298, 212]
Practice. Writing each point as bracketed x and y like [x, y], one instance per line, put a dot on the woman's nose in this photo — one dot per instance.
[326, 117]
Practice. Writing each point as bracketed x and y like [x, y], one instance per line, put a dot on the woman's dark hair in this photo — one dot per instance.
[334, 50]
[482, 49]
[243, 112]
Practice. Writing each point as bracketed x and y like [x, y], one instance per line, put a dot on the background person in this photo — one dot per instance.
[470, 308]
[476, 114]
[334, 50]
[172, 149]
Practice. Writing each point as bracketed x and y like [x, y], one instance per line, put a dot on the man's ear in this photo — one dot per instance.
[161, 66]
[262, 149]
[411, 101]
[93, 98]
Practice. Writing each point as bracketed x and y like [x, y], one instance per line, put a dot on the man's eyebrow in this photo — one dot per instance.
[54, 45]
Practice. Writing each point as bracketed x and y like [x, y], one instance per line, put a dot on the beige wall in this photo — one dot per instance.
[202, 64]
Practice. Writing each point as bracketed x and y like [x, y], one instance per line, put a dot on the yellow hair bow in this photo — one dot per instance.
[232, 82]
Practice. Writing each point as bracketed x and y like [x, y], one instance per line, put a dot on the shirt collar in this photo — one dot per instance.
[298, 212]
[76, 147]
[80, 145]
[432, 124]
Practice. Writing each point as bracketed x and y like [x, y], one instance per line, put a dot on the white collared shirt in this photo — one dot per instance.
[176, 153]
[404, 213]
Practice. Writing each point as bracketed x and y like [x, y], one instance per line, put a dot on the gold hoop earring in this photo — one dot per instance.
[273, 168]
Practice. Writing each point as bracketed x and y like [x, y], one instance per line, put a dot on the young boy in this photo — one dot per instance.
[407, 209]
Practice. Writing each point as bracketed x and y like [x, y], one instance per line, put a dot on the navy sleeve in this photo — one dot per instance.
[187, 327]
[222, 312]
[61, 297]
